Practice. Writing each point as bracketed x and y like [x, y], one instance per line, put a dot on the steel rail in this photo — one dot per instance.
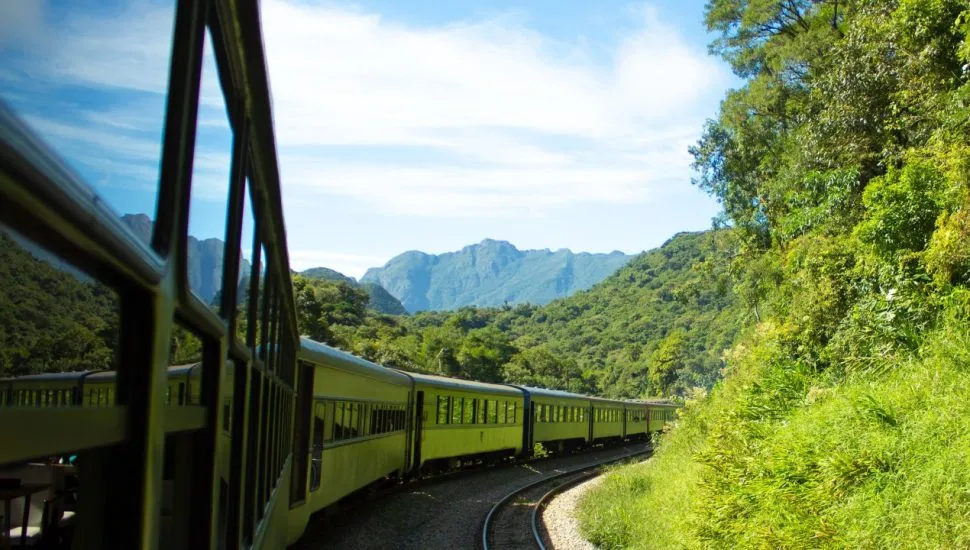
[487, 523]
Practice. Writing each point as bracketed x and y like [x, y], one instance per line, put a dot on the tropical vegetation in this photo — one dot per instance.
[843, 165]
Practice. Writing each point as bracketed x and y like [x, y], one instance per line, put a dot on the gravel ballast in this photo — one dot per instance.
[559, 519]
[441, 514]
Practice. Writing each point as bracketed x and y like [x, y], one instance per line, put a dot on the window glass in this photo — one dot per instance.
[256, 314]
[442, 409]
[456, 410]
[73, 75]
[56, 319]
[245, 266]
[468, 411]
[480, 406]
[210, 185]
[493, 412]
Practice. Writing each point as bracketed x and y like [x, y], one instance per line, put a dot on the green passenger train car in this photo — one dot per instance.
[559, 419]
[636, 420]
[462, 420]
[607, 419]
[660, 413]
[355, 416]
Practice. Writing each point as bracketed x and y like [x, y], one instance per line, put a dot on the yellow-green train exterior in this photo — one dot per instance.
[357, 423]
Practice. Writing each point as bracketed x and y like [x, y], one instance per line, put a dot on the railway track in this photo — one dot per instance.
[514, 521]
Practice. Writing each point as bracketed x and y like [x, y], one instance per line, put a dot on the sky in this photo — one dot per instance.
[400, 125]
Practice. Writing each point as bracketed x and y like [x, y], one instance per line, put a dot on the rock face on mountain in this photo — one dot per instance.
[204, 258]
[490, 273]
[381, 300]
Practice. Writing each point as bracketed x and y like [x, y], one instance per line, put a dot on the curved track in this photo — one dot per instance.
[513, 522]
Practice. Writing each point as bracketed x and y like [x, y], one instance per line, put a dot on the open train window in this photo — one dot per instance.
[442, 410]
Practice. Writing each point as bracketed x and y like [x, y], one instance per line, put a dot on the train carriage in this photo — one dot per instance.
[659, 413]
[636, 420]
[356, 421]
[558, 420]
[56, 389]
[462, 420]
[607, 419]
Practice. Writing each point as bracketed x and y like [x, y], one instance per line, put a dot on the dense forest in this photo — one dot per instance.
[843, 166]
[51, 319]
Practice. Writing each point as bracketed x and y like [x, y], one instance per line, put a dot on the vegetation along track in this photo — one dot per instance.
[513, 522]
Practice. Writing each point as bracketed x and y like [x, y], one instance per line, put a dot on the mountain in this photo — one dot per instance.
[380, 301]
[204, 258]
[327, 274]
[490, 273]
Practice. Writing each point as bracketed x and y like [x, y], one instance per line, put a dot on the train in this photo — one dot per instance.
[357, 423]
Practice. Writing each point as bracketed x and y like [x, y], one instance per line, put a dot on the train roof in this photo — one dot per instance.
[459, 384]
[552, 393]
[315, 352]
[50, 376]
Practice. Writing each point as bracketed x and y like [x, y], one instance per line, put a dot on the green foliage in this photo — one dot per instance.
[52, 319]
[841, 421]
[901, 209]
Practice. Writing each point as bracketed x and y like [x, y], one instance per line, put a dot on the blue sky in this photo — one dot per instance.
[400, 124]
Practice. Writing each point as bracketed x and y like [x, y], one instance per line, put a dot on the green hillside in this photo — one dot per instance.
[379, 299]
[656, 326]
[843, 421]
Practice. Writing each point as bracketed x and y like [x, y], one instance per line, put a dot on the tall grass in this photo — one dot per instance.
[780, 456]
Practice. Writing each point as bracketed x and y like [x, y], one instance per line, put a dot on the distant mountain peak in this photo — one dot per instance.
[490, 273]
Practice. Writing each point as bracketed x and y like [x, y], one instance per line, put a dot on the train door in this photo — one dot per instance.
[529, 424]
[418, 428]
[626, 413]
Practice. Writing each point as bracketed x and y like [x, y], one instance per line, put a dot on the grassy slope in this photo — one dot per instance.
[777, 457]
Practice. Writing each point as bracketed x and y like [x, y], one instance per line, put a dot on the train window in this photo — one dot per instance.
[62, 319]
[468, 411]
[354, 423]
[493, 412]
[442, 409]
[338, 417]
[209, 194]
[456, 404]
[512, 413]
[96, 100]
[316, 451]
[481, 411]
[257, 281]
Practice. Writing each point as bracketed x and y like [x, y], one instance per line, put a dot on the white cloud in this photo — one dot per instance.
[474, 118]
[491, 101]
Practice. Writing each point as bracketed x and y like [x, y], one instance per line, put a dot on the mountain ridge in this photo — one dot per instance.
[491, 273]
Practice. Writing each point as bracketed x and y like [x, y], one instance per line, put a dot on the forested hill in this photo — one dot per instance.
[490, 273]
[379, 300]
[842, 162]
[657, 326]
